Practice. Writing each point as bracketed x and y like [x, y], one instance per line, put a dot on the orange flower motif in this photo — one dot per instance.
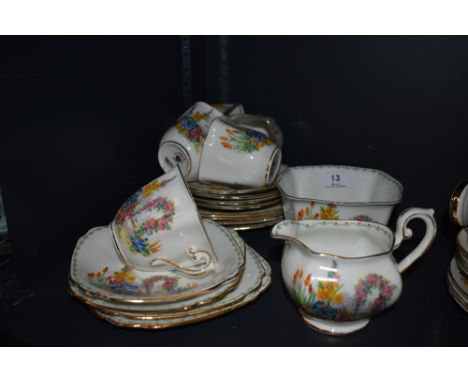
[91, 274]
[225, 139]
[310, 288]
[231, 132]
[197, 116]
[296, 274]
[105, 269]
[155, 247]
[150, 188]
[227, 145]
[307, 211]
[98, 275]
[330, 285]
[338, 299]
[307, 280]
[300, 215]
[323, 294]
[327, 213]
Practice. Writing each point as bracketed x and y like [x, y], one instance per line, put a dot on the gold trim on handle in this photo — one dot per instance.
[192, 253]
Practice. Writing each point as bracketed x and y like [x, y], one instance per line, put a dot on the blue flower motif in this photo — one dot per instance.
[322, 310]
[139, 245]
[189, 123]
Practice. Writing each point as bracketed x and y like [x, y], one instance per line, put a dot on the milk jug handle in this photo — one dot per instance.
[403, 233]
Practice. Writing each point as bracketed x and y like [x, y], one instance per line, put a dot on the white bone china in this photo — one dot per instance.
[159, 227]
[340, 273]
[338, 193]
[238, 156]
[182, 144]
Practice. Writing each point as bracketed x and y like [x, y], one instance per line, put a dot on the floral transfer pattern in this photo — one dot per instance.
[244, 140]
[329, 212]
[326, 299]
[137, 239]
[190, 126]
[126, 282]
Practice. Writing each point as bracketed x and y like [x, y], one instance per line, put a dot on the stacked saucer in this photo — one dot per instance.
[164, 299]
[457, 274]
[458, 285]
[461, 253]
[238, 208]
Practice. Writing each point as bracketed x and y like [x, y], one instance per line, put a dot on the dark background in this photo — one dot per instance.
[81, 117]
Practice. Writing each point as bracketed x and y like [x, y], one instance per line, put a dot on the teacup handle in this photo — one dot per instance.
[403, 233]
[193, 254]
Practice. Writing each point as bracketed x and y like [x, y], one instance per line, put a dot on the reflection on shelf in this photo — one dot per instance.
[5, 248]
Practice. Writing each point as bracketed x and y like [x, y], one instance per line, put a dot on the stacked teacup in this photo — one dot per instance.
[230, 159]
[159, 265]
[457, 273]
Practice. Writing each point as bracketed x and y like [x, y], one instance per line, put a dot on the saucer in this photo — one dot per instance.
[455, 291]
[250, 281]
[259, 197]
[216, 189]
[269, 212]
[224, 206]
[251, 226]
[229, 305]
[245, 220]
[460, 281]
[461, 254]
[97, 269]
[92, 300]
[240, 201]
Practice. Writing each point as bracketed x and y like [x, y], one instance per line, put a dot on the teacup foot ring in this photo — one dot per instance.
[333, 328]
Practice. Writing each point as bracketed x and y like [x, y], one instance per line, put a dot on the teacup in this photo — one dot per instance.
[459, 204]
[159, 228]
[340, 273]
[238, 156]
[229, 108]
[263, 124]
[338, 193]
[182, 144]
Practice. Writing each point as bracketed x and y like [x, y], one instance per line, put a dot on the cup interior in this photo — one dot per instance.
[346, 239]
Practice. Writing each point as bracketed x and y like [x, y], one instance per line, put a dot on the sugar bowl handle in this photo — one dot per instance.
[403, 233]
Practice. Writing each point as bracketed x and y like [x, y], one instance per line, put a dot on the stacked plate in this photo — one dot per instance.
[158, 300]
[239, 208]
[458, 285]
[461, 253]
[457, 274]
